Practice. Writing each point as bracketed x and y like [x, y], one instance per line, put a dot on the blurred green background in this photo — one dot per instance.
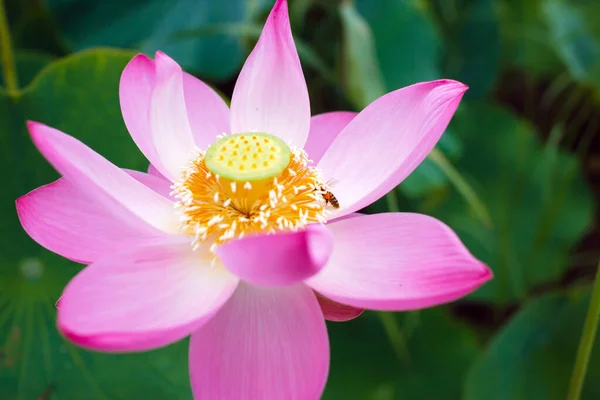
[516, 175]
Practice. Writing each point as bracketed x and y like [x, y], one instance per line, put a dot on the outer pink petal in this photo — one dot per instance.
[207, 113]
[169, 125]
[324, 128]
[143, 298]
[264, 343]
[337, 312]
[152, 170]
[387, 140]
[397, 261]
[281, 259]
[157, 183]
[100, 179]
[270, 94]
[135, 90]
[64, 219]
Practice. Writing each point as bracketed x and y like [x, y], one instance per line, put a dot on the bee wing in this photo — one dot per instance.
[331, 182]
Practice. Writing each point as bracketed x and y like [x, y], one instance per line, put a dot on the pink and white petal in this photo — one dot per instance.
[270, 94]
[337, 312]
[62, 218]
[265, 343]
[169, 125]
[397, 262]
[135, 91]
[152, 170]
[385, 142]
[280, 259]
[324, 128]
[206, 110]
[143, 298]
[159, 184]
[101, 180]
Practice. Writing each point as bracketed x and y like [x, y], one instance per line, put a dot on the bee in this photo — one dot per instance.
[329, 197]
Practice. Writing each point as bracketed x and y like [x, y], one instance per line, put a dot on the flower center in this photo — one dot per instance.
[248, 183]
[248, 157]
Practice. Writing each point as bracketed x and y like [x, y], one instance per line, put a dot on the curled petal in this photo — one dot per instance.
[143, 298]
[205, 112]
[280, 259]
[386, 141]
[61, 217]
[157, 183]
[397, 262]
[324, 128]
[135, 90]
[270, 94]
[169, 126]
[265, 343]
[101, 180]
[152, 170]
[337, 312]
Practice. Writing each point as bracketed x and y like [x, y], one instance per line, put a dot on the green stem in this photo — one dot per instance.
[462, 186]
[394, 334]
[8, 61]
[587, 341]
[392, 201]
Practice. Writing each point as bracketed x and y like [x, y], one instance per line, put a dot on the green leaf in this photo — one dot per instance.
[149, 25]
[361, 75]
[28, 64]
[472, 43]
[527, 40]
[576, 38]
[539, 202]
[406, 42]
[531, 358]
[429, 176]
[363, 365]
[79, 95]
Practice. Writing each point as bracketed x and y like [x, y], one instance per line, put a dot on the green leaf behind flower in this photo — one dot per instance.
[150, 25]
[531, 358]
[438, 352]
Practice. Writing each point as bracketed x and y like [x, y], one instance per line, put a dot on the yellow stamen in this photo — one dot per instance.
[219, 201]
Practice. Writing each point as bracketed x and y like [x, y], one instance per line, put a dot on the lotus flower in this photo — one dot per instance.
[229, 237]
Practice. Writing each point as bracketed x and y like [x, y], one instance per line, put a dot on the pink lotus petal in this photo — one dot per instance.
[281, 259]
[169, 126]
[397, 261]
[270, 94]
[207, 113]
[337, 312]
[324, 128]
[135, 90]
[387, 141]
[157, 183]
[152, 170]
[264, 343]
[101, 180]
[143, 298]
[64, 219]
